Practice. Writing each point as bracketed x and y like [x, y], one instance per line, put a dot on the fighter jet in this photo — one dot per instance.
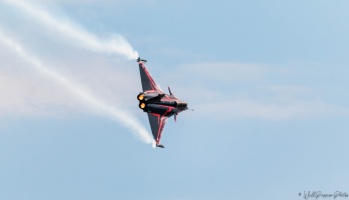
[157, 104]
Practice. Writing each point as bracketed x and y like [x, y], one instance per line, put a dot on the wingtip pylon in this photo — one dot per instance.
[141, 60]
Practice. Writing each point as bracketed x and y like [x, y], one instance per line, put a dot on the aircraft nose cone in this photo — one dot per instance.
[182, 104]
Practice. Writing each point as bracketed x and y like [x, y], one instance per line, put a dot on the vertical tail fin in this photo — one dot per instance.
[169, 90]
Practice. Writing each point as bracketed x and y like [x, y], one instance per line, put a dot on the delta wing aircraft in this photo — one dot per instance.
[158, 105]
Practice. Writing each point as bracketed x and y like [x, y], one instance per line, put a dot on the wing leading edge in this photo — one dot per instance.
[148, 82]
[157, 124]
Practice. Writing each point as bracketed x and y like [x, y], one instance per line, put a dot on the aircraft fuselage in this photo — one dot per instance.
[158, 105]
[162, 104]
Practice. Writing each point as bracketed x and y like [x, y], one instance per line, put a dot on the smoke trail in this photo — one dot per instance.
[93, 102]
[117, 45]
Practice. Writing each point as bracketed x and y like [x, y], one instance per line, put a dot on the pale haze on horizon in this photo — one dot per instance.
[267, 82]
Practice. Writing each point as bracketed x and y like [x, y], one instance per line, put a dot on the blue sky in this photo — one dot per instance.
[267, 80]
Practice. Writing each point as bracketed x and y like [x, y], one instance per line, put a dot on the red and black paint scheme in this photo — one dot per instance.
[157, 104]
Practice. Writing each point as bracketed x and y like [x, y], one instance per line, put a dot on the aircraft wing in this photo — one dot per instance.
[157, 124]
[148, 82]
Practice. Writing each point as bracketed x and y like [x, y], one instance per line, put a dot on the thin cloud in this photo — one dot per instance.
[222, 72]
[289, 90]
[249, 109]
[249, 91]
[27, 94]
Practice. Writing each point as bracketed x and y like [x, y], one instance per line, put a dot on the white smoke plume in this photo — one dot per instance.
[87, 98]
[116, 45]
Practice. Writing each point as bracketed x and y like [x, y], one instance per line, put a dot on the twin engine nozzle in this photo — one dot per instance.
[149, 98]
[157, 99]
[141, 99]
